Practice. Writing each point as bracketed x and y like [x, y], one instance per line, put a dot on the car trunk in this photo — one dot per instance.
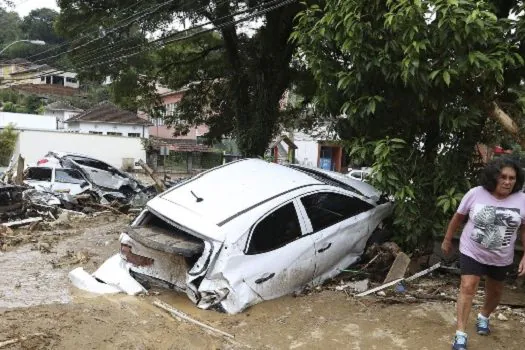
[161, 252]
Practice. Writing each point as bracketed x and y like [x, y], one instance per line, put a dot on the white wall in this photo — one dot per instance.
[28, 121]
[306, 152]
[33, 145]
[83, 127]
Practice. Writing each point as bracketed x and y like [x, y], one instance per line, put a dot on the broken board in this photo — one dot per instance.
[398, 268]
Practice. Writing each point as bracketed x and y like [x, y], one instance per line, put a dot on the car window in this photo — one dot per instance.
[68, 176]
[276, 230]
[327, 208]
[92, 163]
[38, 174]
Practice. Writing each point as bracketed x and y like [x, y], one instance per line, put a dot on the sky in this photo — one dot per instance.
[23, 7]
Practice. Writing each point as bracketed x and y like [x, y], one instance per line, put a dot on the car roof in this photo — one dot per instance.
[343, 181]
[66, 154]
[230, 189]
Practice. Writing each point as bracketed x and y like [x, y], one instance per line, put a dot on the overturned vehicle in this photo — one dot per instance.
[251, 231]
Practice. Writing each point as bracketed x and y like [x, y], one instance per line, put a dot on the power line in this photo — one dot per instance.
[143, 14]
[158, 43]
[108, 51]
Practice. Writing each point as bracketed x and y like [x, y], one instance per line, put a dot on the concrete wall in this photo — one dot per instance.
[28, 121]
[307, 153]
[104, 128]
[33, 145]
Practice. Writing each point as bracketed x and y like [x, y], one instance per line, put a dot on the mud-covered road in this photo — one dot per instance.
[40, 310]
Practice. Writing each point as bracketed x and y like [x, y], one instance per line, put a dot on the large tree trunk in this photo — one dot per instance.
[507, 123]
[259, 82]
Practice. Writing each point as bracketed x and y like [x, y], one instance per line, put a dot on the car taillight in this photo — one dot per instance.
[42, 161]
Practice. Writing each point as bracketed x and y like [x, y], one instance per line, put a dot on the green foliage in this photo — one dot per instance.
[10, 24]
[9, 107]
[8, 137]
[414, 82]
[20, 103]
[39, 25]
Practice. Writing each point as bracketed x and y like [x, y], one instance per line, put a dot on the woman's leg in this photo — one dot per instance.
[467, 291]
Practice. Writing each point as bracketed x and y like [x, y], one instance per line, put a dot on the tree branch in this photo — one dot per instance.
[507, 123]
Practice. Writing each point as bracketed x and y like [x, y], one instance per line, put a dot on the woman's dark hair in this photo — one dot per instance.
[490, 174]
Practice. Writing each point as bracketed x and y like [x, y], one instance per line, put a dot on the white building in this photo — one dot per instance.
[23, 72]
[117, 151]
[107, 119]
[22, 121]
[62, 111]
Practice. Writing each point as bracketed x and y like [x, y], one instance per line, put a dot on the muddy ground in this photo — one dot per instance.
[40, 310]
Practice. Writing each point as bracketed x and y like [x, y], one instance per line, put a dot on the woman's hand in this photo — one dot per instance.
[521, 267]
[446, 247]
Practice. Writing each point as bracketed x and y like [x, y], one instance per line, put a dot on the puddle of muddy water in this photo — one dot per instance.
[27, 277]
[29, 280]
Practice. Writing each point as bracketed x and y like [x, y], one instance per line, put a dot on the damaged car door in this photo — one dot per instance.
[340, 228]
[278, 257]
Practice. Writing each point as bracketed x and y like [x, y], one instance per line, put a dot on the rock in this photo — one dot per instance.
[381, 293]
[502, 317]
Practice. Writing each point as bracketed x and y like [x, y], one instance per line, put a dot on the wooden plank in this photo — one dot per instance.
[381, 287]
[22, 222]
[398, 268]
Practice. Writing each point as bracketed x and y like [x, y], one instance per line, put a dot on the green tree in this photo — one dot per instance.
[8, 137]
[240, 78]
[415, 83]
[39, 25]
[10, 24]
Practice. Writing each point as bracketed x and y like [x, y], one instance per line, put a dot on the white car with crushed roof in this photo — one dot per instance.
[251, 231]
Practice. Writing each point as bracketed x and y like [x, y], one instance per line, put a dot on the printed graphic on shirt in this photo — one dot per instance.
[494, 226]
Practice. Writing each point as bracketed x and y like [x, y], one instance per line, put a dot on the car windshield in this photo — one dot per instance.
[69, 176]
[38, 174]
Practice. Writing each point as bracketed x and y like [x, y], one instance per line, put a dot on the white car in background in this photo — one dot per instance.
[58, 180]
[359, 174]
[250, 231]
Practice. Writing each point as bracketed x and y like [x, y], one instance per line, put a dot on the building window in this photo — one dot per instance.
[71, 80]
[134, 134]
[111, 133]
[96, 132]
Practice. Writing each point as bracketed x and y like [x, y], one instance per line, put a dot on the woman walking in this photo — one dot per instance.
[496, 215]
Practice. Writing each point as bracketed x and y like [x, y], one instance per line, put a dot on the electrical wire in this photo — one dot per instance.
[158, 43]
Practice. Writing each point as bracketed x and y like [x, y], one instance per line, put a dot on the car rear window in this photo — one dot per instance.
[69, 176]
[38, 174]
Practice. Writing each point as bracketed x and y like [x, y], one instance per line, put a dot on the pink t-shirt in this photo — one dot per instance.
[492, 228]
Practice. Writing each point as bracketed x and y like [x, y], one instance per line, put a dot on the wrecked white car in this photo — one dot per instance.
[109, 182]
[60, 180]
[251, 231]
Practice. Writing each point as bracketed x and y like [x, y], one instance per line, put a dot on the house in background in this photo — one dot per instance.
[62, 111]
[160, 130]
[318, 149]
[23, 72]
[108, 119]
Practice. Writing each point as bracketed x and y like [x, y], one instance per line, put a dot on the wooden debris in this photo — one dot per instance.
[158, 184]
[19, 180]
[381, 287]
[22, 222]
[20, 339]
[424, 272]
[185, 317]
[398, 268]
